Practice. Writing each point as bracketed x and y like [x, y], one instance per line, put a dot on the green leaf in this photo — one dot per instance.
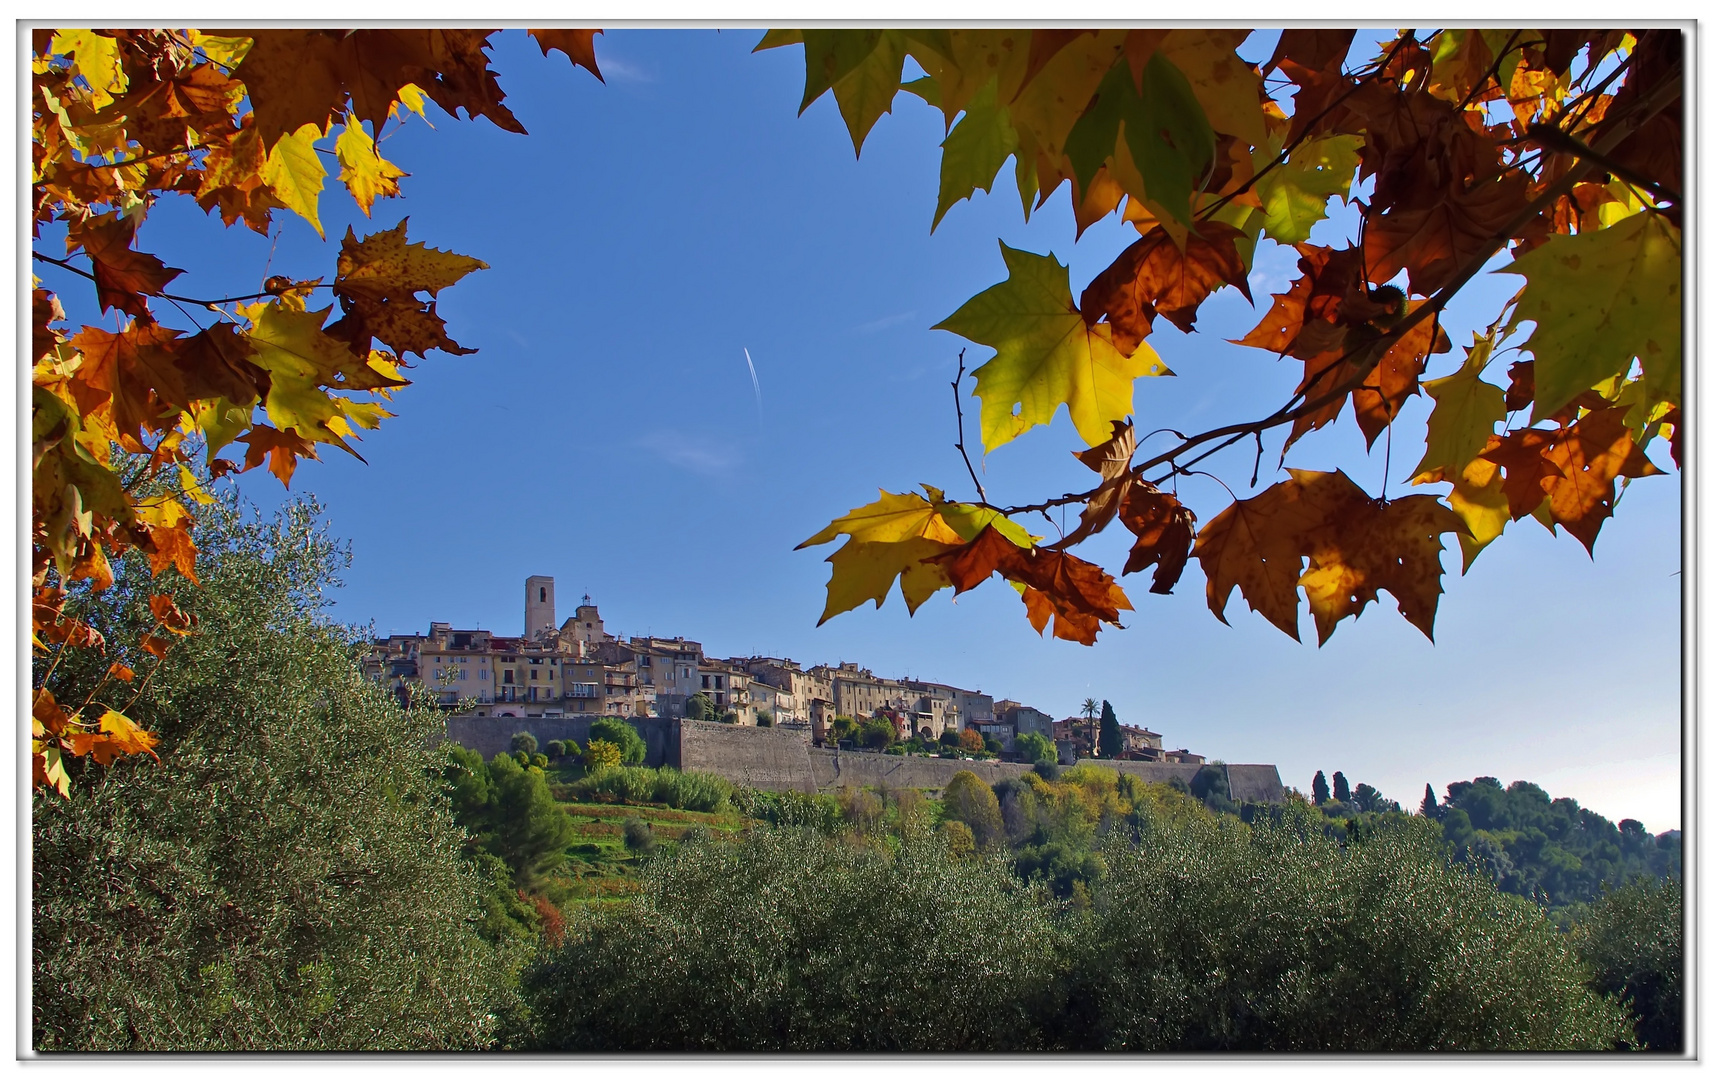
[1600, 299]
[861, 67]
[1046, 355]
[1296, 192]
[294, 170]
[1466, 414]
[975, 150]
[1167, 134]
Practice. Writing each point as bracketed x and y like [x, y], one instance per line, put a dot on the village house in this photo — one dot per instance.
[579, 668]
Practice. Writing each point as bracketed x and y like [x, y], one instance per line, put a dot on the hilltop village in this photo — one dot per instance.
[576, 669]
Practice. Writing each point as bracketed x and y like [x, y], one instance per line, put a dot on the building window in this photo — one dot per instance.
[534, 674]
[542, 595]
[706, 682]
[507, 676]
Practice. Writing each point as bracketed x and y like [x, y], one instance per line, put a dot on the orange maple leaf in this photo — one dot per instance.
[1155, 277]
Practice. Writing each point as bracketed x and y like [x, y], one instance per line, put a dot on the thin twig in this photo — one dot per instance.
[210, 304]
[960, 429]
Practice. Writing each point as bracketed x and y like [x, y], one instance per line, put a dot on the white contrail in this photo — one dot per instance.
[757, 394]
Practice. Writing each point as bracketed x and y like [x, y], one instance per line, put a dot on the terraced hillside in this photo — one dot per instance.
[598, 862]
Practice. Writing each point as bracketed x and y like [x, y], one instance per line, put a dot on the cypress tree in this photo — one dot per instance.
[1320, 789]
[1339, 787]
[1429, 805]
[1109, 733]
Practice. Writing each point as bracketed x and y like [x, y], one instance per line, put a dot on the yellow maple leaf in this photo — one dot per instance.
[366, 174]
[1046, 355]
[294, 171]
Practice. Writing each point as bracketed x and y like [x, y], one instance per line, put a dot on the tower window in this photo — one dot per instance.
[542, 594]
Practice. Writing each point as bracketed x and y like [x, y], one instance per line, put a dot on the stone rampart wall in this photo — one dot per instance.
[490, 735]
[777, 759]
[772, 759]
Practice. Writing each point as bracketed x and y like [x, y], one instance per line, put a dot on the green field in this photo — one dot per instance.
[598, 863]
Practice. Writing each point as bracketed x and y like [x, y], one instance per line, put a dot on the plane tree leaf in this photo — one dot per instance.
[1046, 355]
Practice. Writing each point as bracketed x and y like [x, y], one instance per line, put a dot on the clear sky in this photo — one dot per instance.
[606, 432]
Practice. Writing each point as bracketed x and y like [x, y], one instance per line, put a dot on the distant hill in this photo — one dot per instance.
[1552, 850]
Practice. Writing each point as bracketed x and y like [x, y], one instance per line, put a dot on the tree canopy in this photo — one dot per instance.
[1554, 155]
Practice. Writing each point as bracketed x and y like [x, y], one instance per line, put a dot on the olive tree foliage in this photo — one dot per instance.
[1219, 936]
[792, 941]
[288, 875]
[1632, 938]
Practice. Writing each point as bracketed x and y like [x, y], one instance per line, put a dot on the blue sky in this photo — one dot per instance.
[606, 432]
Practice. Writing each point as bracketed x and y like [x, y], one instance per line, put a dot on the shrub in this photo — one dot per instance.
[815, 946]
[601, 754]
[730, 717]
[1034, 748]
[971, 740]
[1215, 935]
[555, 749]
[700, 707]
[950, 737]
[876, 733]
[764, 718]
[541, 761]
[1047, 770]
[968, 799]
[698, 791]
[1631, 937]
[523, 741]
[288, 876]
[638, 837]
[623, 735]
[791, 809]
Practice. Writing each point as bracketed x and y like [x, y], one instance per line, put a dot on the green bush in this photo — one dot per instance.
[510, 812]
[697, 791]
[1034, 748]
[621, 734]
[1217, 935]
[791, 809]
[787, 941]
[876, 733]
[638, 837]
[523, 742]
[968, 799]
[288, 876]
[1631, 937]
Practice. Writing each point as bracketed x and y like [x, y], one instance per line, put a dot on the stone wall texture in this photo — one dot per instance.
[776, 759]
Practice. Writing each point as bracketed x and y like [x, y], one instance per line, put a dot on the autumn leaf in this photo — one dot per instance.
[1477, 497]
[294, 171]
[893, 537]
[1226, 87]
[1158, 276]
[1294, 195]
[1080, 594]
[117, 670]
[1599, 300]
[974, 151]
[1364, 545]
[380, 276]
[1046, 355]
[1257, 545]
[281, 449]
[1111, 460]
[1435, 239]
[123, 276]
[1163, 125]
[1163, 534]
[172, 546]
[862, 68]
[1465, 415]
[366, 174]
[1571, 471]
[168, 614]
[579, 46]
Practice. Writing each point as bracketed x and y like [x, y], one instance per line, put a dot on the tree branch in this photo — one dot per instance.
[1648, 106]
[960, 430]
[213, 305]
